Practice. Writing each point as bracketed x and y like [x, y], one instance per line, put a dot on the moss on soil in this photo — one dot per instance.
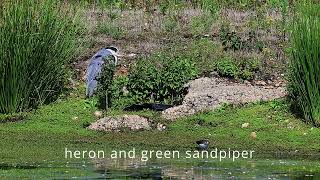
[44, 134]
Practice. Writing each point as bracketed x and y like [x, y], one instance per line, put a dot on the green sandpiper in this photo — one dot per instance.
[203, 144]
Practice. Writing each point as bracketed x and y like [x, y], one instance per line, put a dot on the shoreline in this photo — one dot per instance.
[45, 133]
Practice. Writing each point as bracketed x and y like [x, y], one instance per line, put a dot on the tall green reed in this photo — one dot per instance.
[304, 84]
[37, 39]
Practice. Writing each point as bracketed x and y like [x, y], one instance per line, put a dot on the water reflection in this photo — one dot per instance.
[202, 169]
[164, 169]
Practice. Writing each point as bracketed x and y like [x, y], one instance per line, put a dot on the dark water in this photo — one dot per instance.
[165, 169]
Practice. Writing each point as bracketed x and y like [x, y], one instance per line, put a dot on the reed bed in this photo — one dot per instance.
[305, 65]
[37, 39]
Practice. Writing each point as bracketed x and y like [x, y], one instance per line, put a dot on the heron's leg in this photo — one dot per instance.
[107, 104]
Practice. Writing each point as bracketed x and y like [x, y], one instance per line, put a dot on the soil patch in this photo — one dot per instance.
[209, 93]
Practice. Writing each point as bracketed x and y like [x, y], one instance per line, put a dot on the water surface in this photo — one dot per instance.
[165, 169]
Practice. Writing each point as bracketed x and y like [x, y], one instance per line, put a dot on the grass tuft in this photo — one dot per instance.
[37, 39]
[305, 67]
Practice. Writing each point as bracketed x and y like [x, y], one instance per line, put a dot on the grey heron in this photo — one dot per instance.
[96, 65]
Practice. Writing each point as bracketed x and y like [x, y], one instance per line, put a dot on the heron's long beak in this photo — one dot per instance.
[119, 55]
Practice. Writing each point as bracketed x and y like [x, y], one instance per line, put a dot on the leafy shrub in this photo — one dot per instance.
[252, 64]
[228, 67]
[121, 97]
[246, 74]
[160, 78]
[37, 39]
[249, 67]
[253, 42]
[304, 85]
[232, 41]
[105, 81]
[229, 39]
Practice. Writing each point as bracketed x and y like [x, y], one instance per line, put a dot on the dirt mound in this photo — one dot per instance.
[210, 93]
[131, 122]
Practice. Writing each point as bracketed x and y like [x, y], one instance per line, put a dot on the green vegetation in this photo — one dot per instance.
[4, 118]
[205, 54]
[201, 25]
[227, 67]
[37, 39]
[120, 96]
[305, 75]
[165, 45]
[105, 81]
[211, 6]
[160, 78]
[43, 135]
[170, 25]
[230, 40]
[209, 56]
[111, 29]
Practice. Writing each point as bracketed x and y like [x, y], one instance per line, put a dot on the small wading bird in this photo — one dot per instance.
[203, 144]
[96, 65]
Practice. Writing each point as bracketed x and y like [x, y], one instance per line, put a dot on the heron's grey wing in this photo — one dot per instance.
[94, 70]
[101, 53]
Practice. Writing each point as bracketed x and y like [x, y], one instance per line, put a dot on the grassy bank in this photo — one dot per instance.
[246, 42]
[44, 134]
